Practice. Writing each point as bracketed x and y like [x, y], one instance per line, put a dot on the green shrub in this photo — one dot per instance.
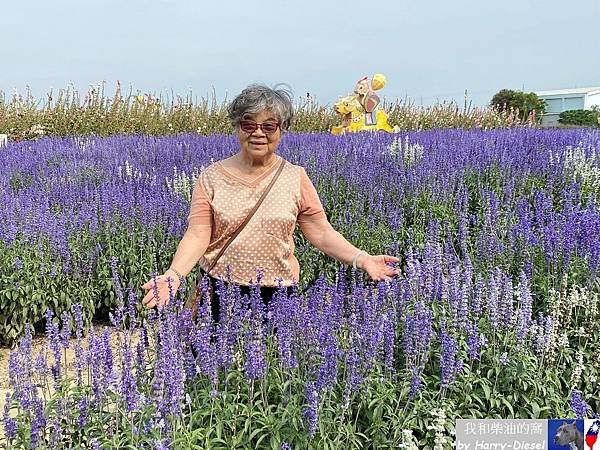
[581, 117]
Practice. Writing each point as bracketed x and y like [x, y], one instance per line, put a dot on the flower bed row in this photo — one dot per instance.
[343, 365]
[495, 313]
[66, 113]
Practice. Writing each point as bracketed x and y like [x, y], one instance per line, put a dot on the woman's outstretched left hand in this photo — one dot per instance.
[377, 266]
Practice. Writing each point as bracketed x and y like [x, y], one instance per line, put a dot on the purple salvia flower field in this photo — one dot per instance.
[495, 310]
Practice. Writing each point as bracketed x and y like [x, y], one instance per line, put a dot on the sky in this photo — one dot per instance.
[429, 51]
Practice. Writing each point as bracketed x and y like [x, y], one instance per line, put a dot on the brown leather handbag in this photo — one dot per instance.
[193, 298]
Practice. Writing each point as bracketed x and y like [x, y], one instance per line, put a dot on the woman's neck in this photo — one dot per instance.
[251, 165]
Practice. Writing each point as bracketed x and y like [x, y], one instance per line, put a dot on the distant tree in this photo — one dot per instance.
[503, 99]
[525, 102]
[528, 102]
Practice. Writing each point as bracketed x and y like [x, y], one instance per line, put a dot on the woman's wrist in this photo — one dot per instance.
[180, 277]
[356, 259]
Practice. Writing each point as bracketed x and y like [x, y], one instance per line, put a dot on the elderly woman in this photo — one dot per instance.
[224, 204]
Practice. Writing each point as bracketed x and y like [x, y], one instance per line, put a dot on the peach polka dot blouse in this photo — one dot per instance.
[223, 200]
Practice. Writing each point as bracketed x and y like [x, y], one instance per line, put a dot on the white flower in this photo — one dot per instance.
[578, 370]
[584, 166]
[183, 184]
[410, 153]
[563, 340]
[37, 129]
[408, 440]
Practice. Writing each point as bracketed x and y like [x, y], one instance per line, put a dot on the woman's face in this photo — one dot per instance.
[259, 144]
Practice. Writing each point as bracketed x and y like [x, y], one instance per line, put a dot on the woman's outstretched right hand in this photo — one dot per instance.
[160, 294]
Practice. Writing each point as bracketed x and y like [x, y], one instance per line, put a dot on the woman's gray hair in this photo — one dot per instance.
[258, 97]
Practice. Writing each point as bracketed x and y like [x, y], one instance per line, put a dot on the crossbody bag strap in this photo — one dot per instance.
[239, 229]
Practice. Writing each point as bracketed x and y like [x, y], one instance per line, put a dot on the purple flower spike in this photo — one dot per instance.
[578, 404]
[311, 411]
[448, 360]
[10, 424]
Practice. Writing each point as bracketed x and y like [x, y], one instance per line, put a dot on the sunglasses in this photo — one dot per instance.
[250, 126]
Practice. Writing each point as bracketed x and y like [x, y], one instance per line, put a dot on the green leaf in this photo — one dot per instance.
[487, 391]
[509, 406]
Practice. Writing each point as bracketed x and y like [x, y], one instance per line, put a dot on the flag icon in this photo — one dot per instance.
[591, 435]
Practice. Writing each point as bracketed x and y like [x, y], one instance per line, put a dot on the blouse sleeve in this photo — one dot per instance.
[200, 209]
[310, 204]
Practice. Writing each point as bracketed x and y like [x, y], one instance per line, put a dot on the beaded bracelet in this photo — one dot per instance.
[356, 258]
[181, 277]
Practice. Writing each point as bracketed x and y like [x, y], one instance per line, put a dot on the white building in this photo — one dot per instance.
[566, 99]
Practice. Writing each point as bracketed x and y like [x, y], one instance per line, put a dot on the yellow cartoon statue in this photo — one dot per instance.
[361, 111]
